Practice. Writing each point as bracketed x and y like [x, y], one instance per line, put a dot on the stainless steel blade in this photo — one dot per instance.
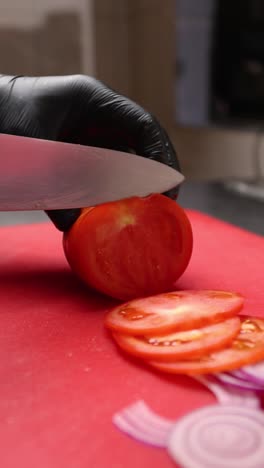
[45, 175]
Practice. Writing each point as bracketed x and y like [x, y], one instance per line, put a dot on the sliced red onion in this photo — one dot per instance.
[219, 436]
[147, 416]
[234, 381]
[229, 395]
[141, 423]
[254, 373]
[246, 376]
[216, 436]
[239, 374]
[142, 436]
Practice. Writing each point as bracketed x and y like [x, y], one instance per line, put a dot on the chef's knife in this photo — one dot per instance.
[39, 174]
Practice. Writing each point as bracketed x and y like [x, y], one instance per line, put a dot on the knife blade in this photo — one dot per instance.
[40, 174]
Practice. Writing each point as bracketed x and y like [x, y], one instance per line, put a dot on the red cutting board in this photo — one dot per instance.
[61, 376]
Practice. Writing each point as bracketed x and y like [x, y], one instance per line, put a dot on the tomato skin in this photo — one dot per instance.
[247, 348]
[173, 311]
[181, 345]
[130, 248]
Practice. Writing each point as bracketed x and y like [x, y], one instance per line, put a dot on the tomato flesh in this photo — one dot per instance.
[173, 311]
[181, 345]
[130, 248]
[247, 348]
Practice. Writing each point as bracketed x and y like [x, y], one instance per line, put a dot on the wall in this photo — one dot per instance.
[138, 39]
[55, 36]
[128, 44]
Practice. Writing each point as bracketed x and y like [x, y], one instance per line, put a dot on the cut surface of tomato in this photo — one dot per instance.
[174, 311]
[247, 348]
[130, 248]
[181, 345]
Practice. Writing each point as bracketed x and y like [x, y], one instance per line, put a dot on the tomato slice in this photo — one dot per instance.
[130, 248]
[174, 311]
[247, 348]
[181, 345]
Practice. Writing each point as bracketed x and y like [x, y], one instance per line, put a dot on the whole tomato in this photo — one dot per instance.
[130, 248]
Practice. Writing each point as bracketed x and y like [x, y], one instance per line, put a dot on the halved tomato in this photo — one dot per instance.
[181, 345]
[247, 348]
[130, 248]
[173, 311]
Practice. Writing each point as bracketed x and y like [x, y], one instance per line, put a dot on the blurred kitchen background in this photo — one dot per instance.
[197, 64]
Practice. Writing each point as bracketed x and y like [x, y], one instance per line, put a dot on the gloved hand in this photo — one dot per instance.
[80, 109]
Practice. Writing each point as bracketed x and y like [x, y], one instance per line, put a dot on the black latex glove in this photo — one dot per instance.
[80, 109]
